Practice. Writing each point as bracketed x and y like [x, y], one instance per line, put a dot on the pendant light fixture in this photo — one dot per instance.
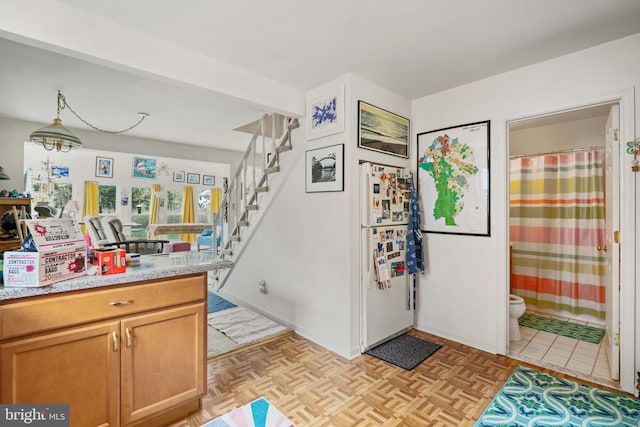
[57, 137]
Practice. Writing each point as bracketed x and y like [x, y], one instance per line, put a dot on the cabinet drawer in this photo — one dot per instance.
[63, 310]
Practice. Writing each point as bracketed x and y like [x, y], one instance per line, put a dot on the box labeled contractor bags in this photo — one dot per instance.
[61, 255]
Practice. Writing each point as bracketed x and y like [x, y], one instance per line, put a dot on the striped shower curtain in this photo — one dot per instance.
[557, 222]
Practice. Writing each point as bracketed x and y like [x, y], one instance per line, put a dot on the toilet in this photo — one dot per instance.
[517, 307]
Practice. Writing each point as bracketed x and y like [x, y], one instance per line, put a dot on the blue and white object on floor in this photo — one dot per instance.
[531, 397]
[217, 303]
[259, 413]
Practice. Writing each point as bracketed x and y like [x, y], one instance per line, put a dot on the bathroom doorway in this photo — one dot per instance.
[562, 213]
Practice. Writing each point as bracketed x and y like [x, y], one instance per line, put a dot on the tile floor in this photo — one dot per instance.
[568, 355]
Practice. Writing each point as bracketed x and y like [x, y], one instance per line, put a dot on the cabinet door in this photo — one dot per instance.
[163, 360]
[79, 367]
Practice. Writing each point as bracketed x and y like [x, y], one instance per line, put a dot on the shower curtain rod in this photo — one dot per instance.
[569, 150]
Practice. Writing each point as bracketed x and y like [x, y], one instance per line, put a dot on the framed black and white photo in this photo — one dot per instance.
[325, 113]
[453, 179]
[178, 176]
[208, 180]
[324, 169]
[382, 131]
[193, 178]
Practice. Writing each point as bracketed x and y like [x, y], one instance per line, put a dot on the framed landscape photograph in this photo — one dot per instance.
[325, 114]
[453, 179]
[383, 131]
[104, 167]
[193, 178]
[324, 169]
[208, 180]
[178, 176]
[144, 168]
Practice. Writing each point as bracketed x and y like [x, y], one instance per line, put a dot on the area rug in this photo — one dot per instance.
[238, 327]
[563, 328]
[405, 351]
[217, 303]
[531, 397]
[259, 413]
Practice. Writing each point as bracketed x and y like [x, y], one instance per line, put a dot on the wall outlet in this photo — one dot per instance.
[263, 287]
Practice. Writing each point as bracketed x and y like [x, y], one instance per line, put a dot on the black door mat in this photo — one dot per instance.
[405, 351]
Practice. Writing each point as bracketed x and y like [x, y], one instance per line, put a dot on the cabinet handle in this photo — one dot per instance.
[128, 333]
[119, 303]
[114, 338]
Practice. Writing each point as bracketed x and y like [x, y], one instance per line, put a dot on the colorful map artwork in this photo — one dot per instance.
[450, 163]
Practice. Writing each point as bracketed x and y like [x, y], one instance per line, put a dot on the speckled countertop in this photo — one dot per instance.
[151, 267]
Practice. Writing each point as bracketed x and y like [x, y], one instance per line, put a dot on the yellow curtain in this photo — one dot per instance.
[216, 194]
[91, 201]
[188, 212]
[154, 212]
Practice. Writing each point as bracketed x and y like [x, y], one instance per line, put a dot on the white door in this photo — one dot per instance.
[386, 312]
[612, 248]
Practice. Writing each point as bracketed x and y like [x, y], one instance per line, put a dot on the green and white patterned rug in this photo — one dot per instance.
[561, 327]
[531, 397]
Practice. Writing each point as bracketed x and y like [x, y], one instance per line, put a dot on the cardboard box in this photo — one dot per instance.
[61, 255]
[111, 261]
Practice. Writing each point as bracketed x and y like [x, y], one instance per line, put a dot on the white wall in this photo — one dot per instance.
[463, 296]
[82, 166]
[306, 247]
[13, 133]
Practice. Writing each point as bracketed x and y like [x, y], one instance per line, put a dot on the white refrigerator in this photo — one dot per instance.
[386, 299]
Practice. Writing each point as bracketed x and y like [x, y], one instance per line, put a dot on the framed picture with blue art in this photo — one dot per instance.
[325, 113]
[383, 131]
[104, 167]
[144, 168]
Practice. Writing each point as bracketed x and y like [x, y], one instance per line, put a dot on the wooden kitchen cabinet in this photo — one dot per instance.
[80, 367]
[140, 361]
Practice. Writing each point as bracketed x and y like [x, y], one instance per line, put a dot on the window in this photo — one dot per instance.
[62, 192]
[202, 210]
[174, 205]
[140, 205]
[107, 199]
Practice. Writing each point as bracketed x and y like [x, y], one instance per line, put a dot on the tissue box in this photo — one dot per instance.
[111, 261]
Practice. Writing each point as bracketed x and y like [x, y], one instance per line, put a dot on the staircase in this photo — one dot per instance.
[261, 159]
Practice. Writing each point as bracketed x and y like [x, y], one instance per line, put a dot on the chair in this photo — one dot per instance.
[205, 240]
[113, 239]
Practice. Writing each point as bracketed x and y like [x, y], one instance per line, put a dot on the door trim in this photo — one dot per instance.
[629, 245]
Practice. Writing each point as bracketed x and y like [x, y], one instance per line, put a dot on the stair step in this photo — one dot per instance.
[294, 124]
[228, 252]
[243, 223]
[235, 238]
[262, 189]
[252, 207]
[284, 148]
[273, 169]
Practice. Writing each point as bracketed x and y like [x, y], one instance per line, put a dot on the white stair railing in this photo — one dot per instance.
[273, 135]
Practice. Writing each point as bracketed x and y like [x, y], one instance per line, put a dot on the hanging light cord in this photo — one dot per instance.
[62, 104]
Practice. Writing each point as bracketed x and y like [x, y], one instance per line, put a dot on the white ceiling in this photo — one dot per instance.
[411, 47]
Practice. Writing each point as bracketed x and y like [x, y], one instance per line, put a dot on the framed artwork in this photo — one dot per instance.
[104, 167]
[383, 131]
[178, 176]
[325, 114]
[324, 169]
[208, 180]
[453, 179]
[144, 168]
[60, 171]
[193, 178]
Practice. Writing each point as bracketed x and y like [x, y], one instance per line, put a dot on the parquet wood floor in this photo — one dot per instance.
[314, 387]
